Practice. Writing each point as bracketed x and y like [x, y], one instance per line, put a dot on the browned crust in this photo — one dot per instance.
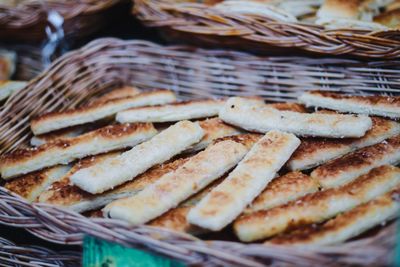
[390, 18]
[123, 92]
[248, 140]
[60, 134]
[4, 82]
[181, 103]
[296, 107]
[91, 107]
[193, 200]
[393, 6]
[310, 145]
[81, 129]
[65, 194]
[370, 100]
[379, 127]
[62, 192]
[357, 159]
[151, 175]
[214, 125]
[308, 233]
[25, 184]
[93, 214]
[290, 183]
[109, 132]
[356, 189]
[346, 8]
[176, 219]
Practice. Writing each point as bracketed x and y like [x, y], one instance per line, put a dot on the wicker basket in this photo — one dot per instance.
[27, 21]
[198, 23]
[108, 63]
[14, 255]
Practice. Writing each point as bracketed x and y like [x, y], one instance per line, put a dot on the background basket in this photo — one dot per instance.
[27, 21]
[198, 23]
[29, 60]
[14, 255]
[193, 73]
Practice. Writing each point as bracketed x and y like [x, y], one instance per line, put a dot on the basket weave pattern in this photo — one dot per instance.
[198, 23]
[14, 255]
[27, 21]
[193, 73]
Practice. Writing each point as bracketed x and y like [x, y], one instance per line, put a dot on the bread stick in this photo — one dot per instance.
[174, 187]
[262, 119]
[31, 185]
[317, 207]
[63, 151]
[58, 120]
[386, 106]
[162, 147]
[245, 182]
[188, 110]
[348, 167]
[346, 225]
[313, 152]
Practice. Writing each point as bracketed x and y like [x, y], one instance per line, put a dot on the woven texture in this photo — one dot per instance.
[27, 21]
[193, 73]
[198, 23]
[15, 255]
[30, 60]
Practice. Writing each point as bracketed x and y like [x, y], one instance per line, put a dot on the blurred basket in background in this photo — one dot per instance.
[199, 23]
[28, 20]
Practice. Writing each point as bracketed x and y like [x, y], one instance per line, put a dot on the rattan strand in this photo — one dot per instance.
[198, 23]
[35, 256]
[108, 63]
[28, 20]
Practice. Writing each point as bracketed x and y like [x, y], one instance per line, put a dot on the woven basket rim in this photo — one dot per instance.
[37, 8]
[27, 21]
[25, 254]
[207, 25]
[66, 227]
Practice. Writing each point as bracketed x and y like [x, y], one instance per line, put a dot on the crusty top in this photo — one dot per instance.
[296, 107]
[106, 133]
[356, 189]
[248, 140]
[308, 146]
[123, 92]
[309, 233]
[216, 127]
[370, 100]
[390, 19]
[63, 193]
[176, 219]
[341, 9]
[25, 184]
[358, 159]
[281, 187]
[92, 107]
[180, 103]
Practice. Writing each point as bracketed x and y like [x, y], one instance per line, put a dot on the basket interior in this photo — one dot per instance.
[193, 73]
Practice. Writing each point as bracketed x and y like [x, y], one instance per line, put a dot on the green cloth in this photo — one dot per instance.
[101, 253]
